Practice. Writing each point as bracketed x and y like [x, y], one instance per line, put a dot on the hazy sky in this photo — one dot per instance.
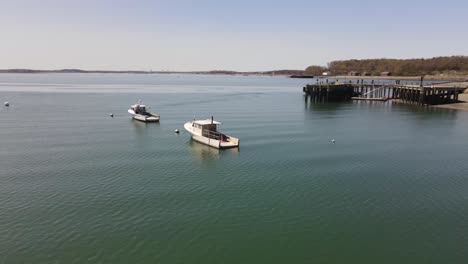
[231, 35]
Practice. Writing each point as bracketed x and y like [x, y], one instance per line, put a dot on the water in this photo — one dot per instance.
[77, 186]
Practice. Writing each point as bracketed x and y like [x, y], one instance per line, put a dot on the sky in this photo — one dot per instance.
[241, 35]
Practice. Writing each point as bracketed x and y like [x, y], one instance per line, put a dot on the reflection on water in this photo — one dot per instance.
[140, 127]
[143, 131]
[202, 152]
[422, 112]
[310, 104]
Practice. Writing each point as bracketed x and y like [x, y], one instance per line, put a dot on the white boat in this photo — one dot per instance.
[206, 132]
[139, 112]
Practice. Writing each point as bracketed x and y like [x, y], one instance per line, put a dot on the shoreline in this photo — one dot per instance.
[285, 73]
[215, 72]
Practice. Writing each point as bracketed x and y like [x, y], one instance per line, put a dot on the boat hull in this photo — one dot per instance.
[207, 141]
[144, 118]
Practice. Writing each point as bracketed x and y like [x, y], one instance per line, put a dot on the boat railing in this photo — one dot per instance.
[213, 134]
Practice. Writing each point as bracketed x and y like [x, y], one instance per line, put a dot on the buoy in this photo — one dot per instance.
[111, 115]
[333, 141]
[176, 131]
[7, 104]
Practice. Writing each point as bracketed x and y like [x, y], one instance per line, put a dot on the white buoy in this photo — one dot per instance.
[111, 115]
[176, 131]
[333, 141]
[7, 104]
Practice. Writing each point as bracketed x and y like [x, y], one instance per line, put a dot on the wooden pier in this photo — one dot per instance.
[433, 94]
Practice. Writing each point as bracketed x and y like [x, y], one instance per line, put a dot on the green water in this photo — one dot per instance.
[77, 186]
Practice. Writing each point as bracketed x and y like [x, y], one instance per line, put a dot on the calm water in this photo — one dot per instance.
[77, 186]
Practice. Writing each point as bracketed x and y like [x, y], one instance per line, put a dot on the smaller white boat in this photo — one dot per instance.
[139, 112]
[206, 132]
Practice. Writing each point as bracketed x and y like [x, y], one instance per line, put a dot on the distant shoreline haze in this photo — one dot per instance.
[278, 72]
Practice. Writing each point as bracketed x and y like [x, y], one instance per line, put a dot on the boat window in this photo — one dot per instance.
[210, 127]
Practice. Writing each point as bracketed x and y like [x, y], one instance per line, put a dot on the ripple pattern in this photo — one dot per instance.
[77, 186]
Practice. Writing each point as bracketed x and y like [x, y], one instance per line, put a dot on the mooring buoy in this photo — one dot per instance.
[177, 131]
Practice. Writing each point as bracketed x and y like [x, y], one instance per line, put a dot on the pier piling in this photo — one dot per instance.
[416, 94]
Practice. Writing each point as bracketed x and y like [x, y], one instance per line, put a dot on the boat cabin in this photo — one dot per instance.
[208, 124]
[209, 128]
[139, 109]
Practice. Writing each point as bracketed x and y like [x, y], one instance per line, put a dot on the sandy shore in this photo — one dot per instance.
[463, 105]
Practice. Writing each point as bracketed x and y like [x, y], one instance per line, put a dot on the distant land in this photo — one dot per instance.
[447, 68]
[215, 72]
[438, 66]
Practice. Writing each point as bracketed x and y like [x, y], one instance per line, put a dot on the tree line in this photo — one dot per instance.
[400, 67]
